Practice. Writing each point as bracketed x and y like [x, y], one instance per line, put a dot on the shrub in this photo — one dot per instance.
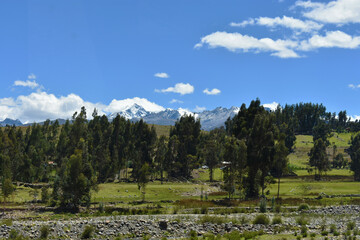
[212, 219]
[44, 232]
[312, 234]
[278, 208]
[304, 231]
[45, 196]
[350, 225]
[101, 208]
[263, 205]
[204, 210]
[298, 237]
[303, 207]
[277, 220]
[88, 232]
[356, 232]
[324, 233]
[302, 221]
[332, 228]
[336, 233]
[261, 219]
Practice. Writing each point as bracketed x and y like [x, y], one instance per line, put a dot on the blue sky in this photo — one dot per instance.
[58, 55]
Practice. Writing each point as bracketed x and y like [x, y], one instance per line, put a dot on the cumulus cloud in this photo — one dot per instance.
[337, 12]
[121, 105]
[214, 91]
[332, 39]
[353, 86]
[176, 101]
[288, 22]
[244, 43]
[181, 88]
[161, 75]
[31, 84]
[40, 106]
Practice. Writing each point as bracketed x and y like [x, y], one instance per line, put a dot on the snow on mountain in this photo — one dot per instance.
[123, 105]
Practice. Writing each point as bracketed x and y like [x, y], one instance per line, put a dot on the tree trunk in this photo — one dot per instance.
[211, 174]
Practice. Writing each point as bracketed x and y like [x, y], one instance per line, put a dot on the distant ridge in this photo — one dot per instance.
[209, 119]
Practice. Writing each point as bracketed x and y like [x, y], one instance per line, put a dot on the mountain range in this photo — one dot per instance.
[209, 119]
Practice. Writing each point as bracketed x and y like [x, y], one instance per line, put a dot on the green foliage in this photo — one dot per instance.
[45, 196]
[354, 152]
[302, 220]
[303, 207]
[332, 228]
[304, 231]
[277, 220]
[44, 232]
[261, 219]
[350, 225]
[319, 158]
[7, 188]
[263, 205]
[87, 232]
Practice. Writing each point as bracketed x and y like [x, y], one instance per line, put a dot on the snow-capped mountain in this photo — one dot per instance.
[209, 119]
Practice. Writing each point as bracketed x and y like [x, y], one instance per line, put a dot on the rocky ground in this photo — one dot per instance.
[174, 226]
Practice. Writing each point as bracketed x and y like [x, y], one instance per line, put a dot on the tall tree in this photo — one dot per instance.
[319, 158]
[354, 151]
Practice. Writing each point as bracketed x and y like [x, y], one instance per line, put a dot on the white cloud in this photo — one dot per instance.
[40, 106]
[214, 91]
[31, 76]
[31, 84]
[199, 109]
[337, 12]
[176, 101]
[181, 88]
[332, 39]
[353, 86]
[244, 23]
[121, 105]
[161, 75]
[238, 42]
[272, 105]
[288, 22]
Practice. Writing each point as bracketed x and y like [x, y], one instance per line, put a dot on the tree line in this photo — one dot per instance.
[251, 150]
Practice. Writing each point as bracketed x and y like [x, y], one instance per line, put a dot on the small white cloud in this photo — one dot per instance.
[181, 88]
[161, 75]
[244, 43]
[288, 22]
[214, 91]
[31, 84]
[244, 23]
[336, 12]
[31, 76]
[353, 86]
[176, 101]
[199, 109]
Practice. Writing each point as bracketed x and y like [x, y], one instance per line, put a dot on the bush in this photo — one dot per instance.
[302, 221]
[212, 219]
[263, 205]
[88, 232]
[44, 232]
[204, 210]
[277, 220]
[312, 234]
[350, 225]
[261, 219]
[332, 228]
[45, 196]
[304, 231]
[303, 207]
[324, 233]
[278, 208]
[101, 208]
[336, 233]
